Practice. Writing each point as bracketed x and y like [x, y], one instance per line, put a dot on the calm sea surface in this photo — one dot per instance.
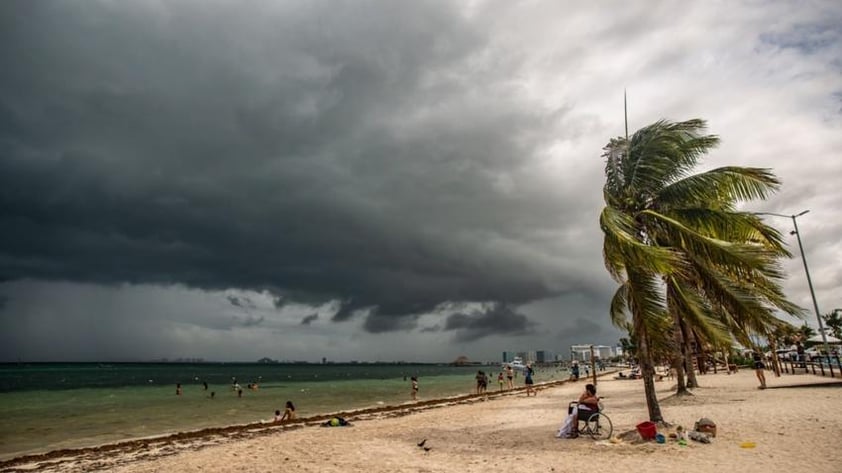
[48, 406]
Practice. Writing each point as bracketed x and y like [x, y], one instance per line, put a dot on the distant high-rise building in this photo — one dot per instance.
[544, 356]
[509, 356]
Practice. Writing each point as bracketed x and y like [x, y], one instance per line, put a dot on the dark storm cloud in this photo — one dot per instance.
[498, 318]
[432, 329]
[241, 302]
[309, 319]
[584, 329]
[292, 147]
[250, 320]
[807, 38]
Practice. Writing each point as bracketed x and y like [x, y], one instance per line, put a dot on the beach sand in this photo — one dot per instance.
[794, 428]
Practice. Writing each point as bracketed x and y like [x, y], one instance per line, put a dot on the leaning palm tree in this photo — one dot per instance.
[680, 251]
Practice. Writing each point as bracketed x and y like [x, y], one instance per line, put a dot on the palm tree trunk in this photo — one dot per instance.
[678, 360]
[647, 369]
[701, 358]
[776, 365]
[692, 382]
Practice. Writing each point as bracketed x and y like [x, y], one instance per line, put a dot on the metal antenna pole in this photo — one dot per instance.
[626, 115]
[810, 284]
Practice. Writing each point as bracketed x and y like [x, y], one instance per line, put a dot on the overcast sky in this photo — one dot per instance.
[373, 180]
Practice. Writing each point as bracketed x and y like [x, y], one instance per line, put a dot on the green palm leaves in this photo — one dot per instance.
[681, 252]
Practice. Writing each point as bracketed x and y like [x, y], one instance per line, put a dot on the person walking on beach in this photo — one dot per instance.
[289, 412]
[414, 391]
[528, 380]
[482, 381]
[510, 374]
[759, 369]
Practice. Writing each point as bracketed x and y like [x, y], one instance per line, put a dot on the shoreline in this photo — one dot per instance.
[511, 432]
[213, 435]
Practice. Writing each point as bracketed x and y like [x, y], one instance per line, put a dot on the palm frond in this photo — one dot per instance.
[664, 151]
[619, 307]
[622, 245]
[726, 184]
[692, 307]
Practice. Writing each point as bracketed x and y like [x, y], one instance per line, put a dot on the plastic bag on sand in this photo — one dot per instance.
[568, 425]
[698, 436]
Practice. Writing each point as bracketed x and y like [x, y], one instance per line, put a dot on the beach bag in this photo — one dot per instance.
[706, 426]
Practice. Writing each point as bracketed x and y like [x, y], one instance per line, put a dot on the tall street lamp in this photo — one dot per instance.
[806, 270]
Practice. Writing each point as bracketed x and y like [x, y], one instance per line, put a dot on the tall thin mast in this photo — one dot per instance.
[626, 114]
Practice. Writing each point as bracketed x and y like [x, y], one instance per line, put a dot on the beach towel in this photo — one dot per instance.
[569, 424]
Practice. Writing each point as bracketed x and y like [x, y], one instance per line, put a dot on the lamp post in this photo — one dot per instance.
[806, 270]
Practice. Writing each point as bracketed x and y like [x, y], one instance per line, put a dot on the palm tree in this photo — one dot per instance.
[806, 332]
[683, 256]
[834, 322]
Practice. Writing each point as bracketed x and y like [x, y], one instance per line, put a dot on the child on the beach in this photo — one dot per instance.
[278, 416]
[500, 380]
[414, 388]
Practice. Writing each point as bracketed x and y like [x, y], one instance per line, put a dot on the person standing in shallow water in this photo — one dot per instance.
[178, 389]
[759, 369]
[481, 382]
[414, 388]
[528, 381]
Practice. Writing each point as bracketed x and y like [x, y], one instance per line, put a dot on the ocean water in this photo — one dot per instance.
[50, 406]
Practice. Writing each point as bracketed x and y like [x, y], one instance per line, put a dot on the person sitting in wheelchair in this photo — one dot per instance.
[585, 407]
[588, 402]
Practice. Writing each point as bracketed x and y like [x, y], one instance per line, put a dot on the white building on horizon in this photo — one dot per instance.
[583, 352]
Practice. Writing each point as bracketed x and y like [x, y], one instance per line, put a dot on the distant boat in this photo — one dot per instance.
[516, 364]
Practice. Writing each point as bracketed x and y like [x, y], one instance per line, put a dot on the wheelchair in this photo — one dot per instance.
[593, 423]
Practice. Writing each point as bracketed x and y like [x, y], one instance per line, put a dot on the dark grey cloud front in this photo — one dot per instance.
[373, 179]
[305, 148]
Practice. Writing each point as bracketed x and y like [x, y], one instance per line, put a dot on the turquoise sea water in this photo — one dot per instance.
[49, 406]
